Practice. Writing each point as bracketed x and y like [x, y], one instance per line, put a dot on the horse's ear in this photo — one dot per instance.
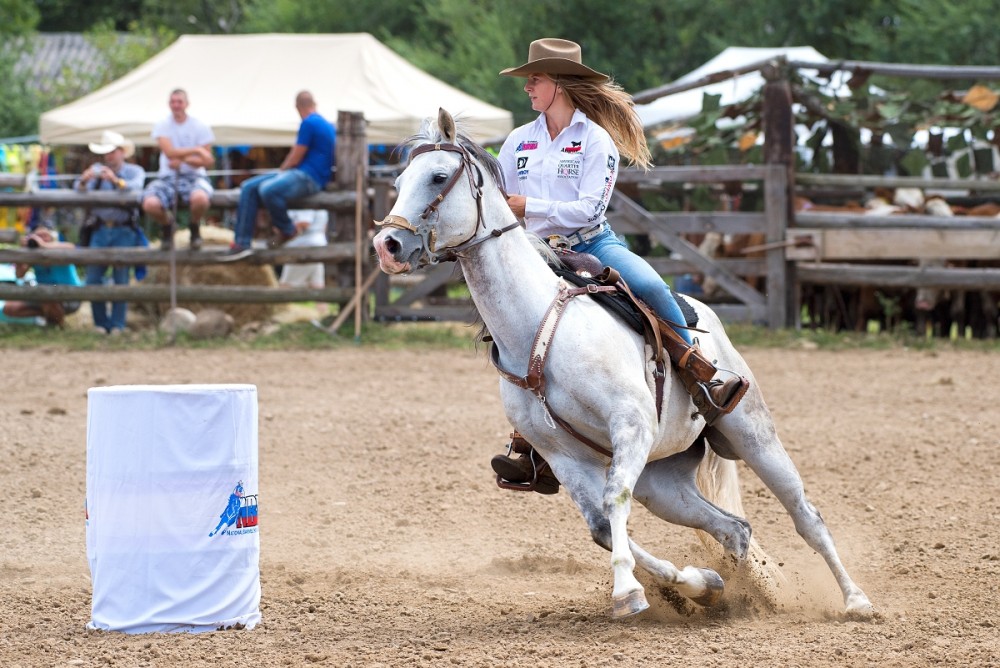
[447, 126]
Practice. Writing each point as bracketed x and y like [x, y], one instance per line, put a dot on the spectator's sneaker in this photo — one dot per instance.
[167, 233]
[236, 252]
[196, 241]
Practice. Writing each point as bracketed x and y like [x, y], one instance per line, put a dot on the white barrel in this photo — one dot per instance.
[172, 531]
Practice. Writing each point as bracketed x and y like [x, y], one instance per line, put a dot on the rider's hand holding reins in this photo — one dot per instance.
[517, 204]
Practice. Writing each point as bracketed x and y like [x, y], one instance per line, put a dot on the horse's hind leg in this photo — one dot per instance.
[768, 459]
[701, 585]
[667, 488]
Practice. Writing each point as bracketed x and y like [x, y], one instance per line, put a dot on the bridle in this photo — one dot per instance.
[427, 234]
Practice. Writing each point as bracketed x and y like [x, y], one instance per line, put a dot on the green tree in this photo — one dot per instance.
[19, 105]
[19, 17]
[381, 18]
[74, 16]
[24, 100]
[179, 16]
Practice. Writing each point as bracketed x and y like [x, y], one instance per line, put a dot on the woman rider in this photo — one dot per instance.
[560, 171]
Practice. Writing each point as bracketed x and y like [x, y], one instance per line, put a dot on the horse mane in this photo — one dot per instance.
[430, 134]
[542, 248]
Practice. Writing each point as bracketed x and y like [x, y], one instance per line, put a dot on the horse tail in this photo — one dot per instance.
[718, 480]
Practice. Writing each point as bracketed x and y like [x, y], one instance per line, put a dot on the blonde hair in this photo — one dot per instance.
[607, 104]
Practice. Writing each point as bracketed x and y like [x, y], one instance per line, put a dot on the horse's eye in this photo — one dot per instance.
[440, 178]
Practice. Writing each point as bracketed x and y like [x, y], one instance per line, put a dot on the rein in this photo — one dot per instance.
[428, 236]
[534, 381]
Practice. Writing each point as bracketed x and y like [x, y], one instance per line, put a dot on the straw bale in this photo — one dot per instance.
[237, 273]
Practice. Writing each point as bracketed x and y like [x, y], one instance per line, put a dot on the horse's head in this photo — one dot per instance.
[448, 201]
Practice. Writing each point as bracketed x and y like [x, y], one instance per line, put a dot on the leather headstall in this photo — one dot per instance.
[427, 234]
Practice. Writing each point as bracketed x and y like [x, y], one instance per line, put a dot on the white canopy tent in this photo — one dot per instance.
[683, 105]
[244, 87]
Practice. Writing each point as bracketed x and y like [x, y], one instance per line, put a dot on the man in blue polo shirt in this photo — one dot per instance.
[304, 171]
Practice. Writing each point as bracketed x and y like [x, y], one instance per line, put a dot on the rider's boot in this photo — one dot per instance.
[712, 397]
[526, 472]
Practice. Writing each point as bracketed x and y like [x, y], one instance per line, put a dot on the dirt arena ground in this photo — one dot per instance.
[384, 541]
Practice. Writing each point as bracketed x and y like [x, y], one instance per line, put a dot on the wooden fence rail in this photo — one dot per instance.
[335, 252]
[823, 273]
[217, 294]
[221, 199]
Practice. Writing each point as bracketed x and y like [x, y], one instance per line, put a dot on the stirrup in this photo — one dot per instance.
[521, 446]
[529, 486]
[701, 394]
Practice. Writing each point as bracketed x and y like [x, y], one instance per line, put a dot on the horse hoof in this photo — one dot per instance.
[714, 588]
[630, 604]
[859, 608]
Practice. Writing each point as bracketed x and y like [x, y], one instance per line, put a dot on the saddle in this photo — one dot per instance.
[712, 398]
[661, 335]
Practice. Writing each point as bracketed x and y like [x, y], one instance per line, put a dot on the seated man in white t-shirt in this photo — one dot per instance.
[185, 152]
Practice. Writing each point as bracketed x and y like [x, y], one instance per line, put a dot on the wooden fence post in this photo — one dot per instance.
[380, 209]
[352, 154]
[779, 152]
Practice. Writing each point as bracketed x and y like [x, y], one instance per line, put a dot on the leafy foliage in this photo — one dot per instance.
[19, 17]
[642, 43]
[25, 100]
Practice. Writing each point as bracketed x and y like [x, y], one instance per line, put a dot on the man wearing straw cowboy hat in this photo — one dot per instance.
[111, 227]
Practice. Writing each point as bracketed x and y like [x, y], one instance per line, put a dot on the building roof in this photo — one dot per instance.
[45, 57]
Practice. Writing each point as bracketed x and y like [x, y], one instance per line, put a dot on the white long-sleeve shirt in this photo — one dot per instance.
[567, 180]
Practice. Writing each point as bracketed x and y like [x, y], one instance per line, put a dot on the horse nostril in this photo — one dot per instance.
[392, 245]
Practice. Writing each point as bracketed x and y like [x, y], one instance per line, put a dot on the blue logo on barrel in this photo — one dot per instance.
[240, 515]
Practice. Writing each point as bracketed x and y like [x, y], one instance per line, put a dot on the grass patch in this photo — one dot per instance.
[293, 336]
[750, 336]
[446, 335]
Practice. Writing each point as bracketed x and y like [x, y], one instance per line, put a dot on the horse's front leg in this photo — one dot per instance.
[632, 439]
[585, 480]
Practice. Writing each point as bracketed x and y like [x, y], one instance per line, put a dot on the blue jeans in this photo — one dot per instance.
[106, 236]
[273, 191]
[642, 279]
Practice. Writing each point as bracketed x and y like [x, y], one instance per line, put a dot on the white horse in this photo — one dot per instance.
[595, 378]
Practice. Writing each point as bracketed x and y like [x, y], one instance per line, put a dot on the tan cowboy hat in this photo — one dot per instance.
[551, 55]
[110, 140]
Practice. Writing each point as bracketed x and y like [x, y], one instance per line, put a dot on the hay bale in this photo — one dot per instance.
[237, 273]
[211, 235]
[212, 323]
